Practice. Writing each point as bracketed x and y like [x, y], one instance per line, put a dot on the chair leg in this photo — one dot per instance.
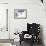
[32, 42]
[20, 42]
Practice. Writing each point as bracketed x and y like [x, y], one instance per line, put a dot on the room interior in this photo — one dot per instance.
[16, 15]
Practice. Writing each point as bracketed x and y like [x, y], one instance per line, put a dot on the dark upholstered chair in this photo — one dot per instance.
[32, 29]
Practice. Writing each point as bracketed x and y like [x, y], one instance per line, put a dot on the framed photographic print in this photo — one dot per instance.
[20, 13]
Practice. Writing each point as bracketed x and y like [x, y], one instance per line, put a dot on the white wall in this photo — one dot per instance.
[3, 34]
[35, 13]
[3, 21]
[3, 1]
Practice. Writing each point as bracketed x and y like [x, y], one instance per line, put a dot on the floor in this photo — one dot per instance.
[27, 44]
[22, 44]
[5, 44]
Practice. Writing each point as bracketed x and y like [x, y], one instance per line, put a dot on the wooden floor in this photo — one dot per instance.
[27, 44]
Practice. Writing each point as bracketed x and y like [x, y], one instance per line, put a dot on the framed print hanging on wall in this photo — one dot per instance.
[20, 13]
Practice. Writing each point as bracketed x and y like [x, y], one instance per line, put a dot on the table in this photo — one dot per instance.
[16, 40]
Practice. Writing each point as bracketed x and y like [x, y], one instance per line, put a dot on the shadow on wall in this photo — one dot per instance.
[41, 34]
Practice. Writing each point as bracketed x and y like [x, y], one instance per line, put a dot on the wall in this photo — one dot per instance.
[3, 1]
[35, 13]
[4, 34]
[3, 21]
[45, 30]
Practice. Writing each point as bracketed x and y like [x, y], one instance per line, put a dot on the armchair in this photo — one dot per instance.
[33, 30]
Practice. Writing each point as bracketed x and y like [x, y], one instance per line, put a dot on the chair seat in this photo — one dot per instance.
[27, 36]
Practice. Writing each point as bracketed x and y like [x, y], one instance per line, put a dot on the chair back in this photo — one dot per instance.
[33, 28]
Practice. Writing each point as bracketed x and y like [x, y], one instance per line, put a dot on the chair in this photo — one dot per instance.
[33, 30]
